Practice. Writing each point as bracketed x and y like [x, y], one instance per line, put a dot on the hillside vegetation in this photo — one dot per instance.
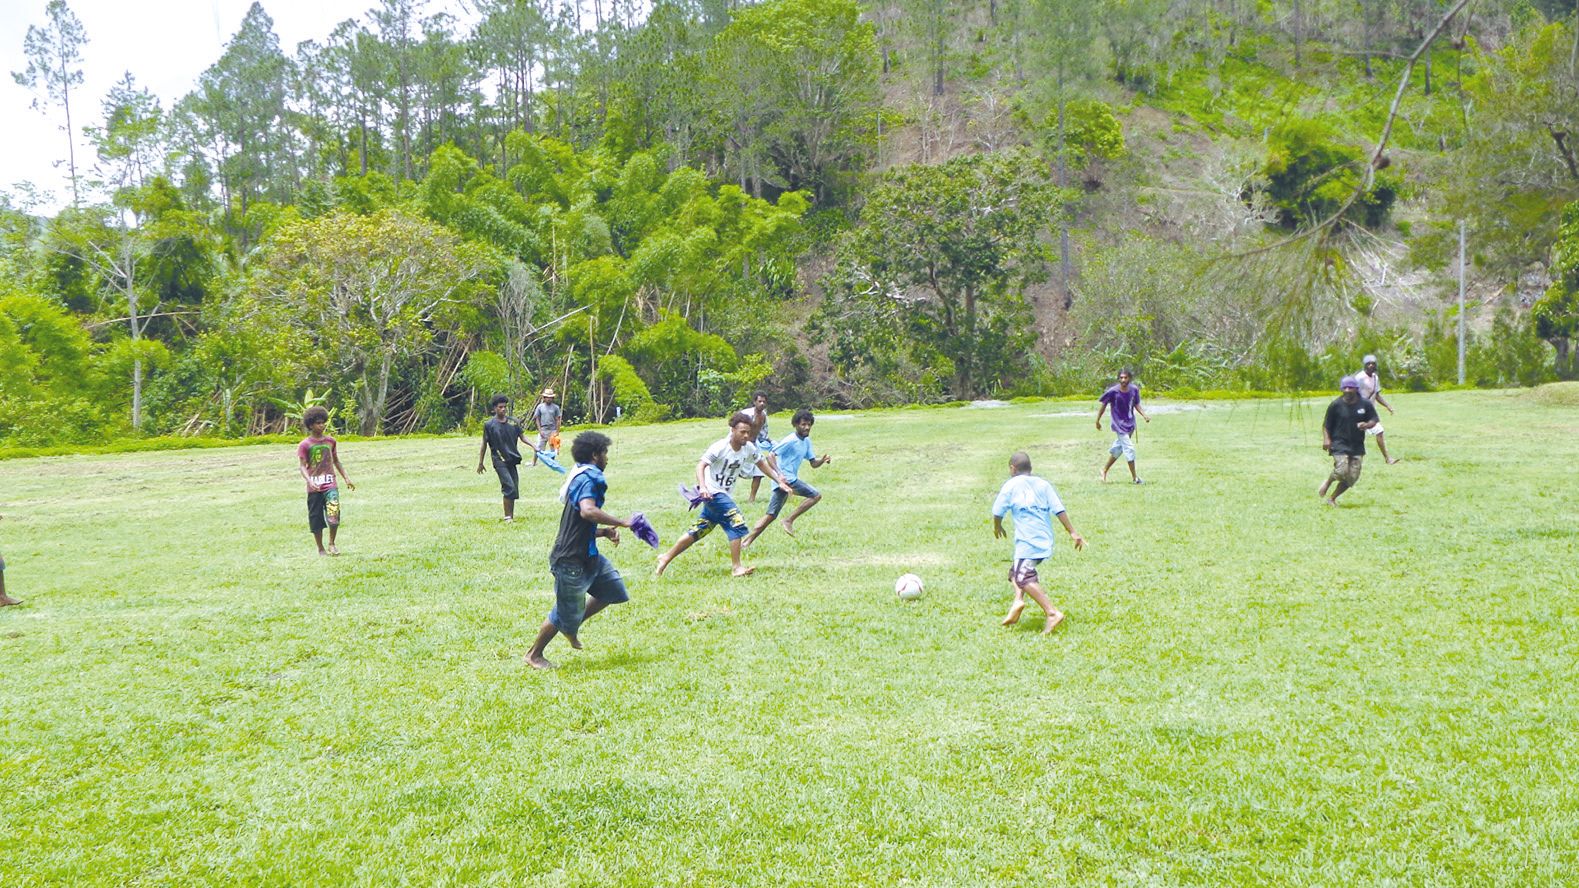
[843, 205]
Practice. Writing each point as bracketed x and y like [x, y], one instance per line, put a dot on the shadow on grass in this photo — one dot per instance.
[617, 660]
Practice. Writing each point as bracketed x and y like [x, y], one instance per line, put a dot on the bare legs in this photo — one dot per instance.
[680, 545]
[535, 658]
[737, 569]
[789, 523]
[1054, 615]
[1381, 444]
[1113, 459]
[1342, 486]
[686, 540]
[5, 600]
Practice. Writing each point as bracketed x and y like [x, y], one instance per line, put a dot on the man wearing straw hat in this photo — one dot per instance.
[545, 417]
[1371, 390]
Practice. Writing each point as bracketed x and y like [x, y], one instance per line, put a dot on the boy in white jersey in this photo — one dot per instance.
[1033, 503]
[715, 479]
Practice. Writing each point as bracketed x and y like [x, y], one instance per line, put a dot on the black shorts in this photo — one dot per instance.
[509, 479]
[323, 509]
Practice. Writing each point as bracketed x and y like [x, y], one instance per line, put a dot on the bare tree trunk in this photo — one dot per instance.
[130, 258]
[71, 142]
[1566, 355]
[1299, 33]
[1063, 223]
[1365, 36]
[1565, 151]
[137, 393]
[966, 369]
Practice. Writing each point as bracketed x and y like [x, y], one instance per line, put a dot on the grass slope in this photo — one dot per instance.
[1251, 688]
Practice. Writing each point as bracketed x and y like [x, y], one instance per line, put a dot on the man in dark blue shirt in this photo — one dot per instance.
[1343, 436]
[585, 582]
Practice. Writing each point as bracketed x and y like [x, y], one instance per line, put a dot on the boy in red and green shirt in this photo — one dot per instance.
[318, 461]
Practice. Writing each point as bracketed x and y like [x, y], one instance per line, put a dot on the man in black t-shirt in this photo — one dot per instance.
[1343, 436]
[585, 581]
[499, 435]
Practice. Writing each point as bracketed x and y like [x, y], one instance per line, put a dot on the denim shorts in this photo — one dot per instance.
[1123, 446]
[574, 580]
[779, 498]
[720, 510]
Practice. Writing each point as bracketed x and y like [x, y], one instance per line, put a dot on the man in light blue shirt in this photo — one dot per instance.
[790, 453]
[1032, 503]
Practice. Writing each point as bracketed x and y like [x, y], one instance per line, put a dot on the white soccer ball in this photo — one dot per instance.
[908, 587]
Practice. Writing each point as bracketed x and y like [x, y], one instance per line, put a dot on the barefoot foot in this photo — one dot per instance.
[663, 562]
[334, 550]
[1014, 613]
[1392, 461]
[743, 571]
[1053, 619]
[537, 661]
[789, 526]
[575, 641]
[8, 601]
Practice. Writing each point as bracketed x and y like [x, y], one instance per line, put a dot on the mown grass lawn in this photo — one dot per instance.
[1251, 688]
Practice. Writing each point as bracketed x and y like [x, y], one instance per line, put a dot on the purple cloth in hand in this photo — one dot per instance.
[692, 495]
[644, 530]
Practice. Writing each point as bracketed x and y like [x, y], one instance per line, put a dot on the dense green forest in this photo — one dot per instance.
[657, 210]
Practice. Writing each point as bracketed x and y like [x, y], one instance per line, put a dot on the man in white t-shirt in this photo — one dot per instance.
[716, 472]
[1371, 390]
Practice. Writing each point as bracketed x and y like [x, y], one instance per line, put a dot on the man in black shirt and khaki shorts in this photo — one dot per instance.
[1343, 436]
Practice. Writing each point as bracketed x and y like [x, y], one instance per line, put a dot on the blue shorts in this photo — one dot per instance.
[574, 580]
[779, 498]
[720, 510]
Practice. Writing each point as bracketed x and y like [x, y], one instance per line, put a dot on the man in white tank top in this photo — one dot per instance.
[1371, 390]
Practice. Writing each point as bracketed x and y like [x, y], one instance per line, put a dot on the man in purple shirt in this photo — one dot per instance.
[1124, 399]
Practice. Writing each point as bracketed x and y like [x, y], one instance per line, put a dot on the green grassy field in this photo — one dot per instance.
[1250, 689]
